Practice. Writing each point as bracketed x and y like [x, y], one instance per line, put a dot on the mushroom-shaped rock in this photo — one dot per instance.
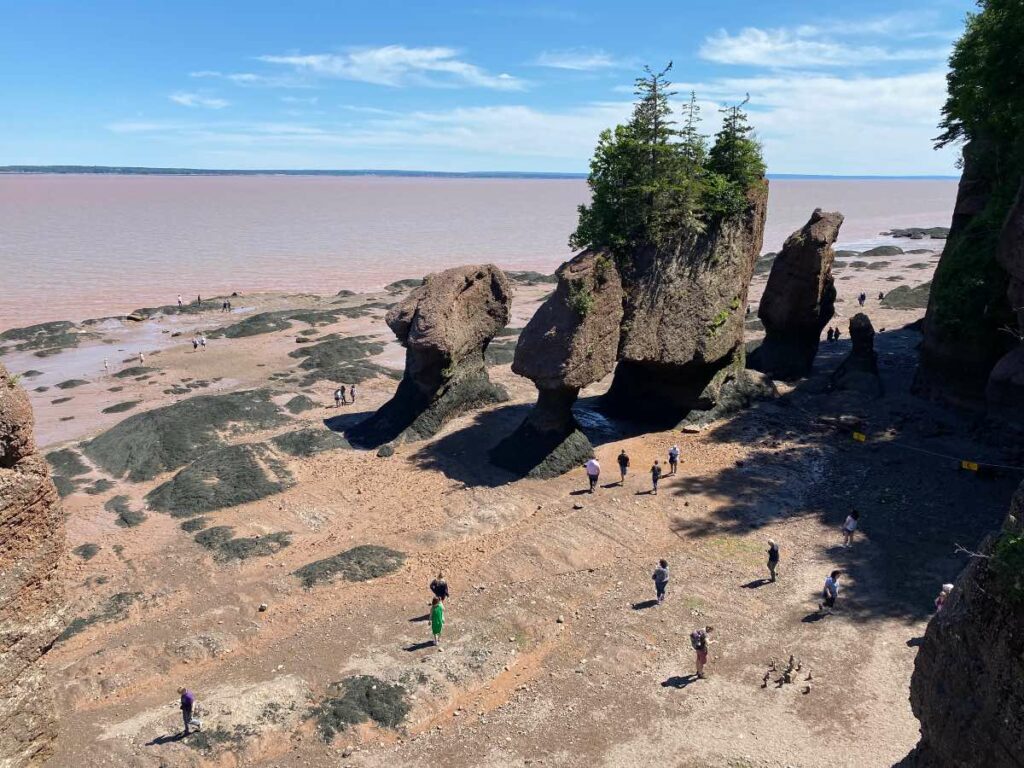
[799, 299]
[31, 597]
[684, 314]
[571, 341]
[859, 371]
[445, 326]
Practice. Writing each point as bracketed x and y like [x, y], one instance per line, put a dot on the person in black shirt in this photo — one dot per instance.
[773, 558]
[623, 466]
[439, 587]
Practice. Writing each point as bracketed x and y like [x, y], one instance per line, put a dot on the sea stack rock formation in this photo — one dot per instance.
[445, 326]
[859, 371]
[967, 313]
[968, 681]
[31, 598]
[799, 299]
[684, 314]
[1005, 390]
[570, 342]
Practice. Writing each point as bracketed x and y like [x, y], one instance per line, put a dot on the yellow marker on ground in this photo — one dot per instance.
[969, 465]
[860, 437]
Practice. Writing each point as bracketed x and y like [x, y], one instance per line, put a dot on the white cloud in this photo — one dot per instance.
[251, 79]
[397, 65]
[804, 47]
[578, 59]
[198, 100]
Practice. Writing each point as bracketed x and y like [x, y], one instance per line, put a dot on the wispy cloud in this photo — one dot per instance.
[396, 66]
[578, 59]
[806, 46]
[251, 79]
[198, 100]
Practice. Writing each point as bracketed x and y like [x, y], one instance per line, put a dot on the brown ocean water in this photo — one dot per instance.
[75, 247]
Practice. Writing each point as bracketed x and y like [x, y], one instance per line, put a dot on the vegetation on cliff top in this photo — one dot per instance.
[653, 182]
[984, 109]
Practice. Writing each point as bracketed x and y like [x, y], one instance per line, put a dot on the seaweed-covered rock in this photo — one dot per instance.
[31, 597]
[1004, 391]
[859, 371]
[730, 391]
[799, 299]
[445, 325]
[968, 684]
[684, 315]
[570, 342]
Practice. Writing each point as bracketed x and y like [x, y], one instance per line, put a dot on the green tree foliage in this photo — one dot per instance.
[654, 182]
[984, 109]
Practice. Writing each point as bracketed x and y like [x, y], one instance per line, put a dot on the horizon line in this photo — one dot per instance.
[119, 170]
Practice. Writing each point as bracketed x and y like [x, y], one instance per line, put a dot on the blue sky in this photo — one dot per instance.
[836, 88]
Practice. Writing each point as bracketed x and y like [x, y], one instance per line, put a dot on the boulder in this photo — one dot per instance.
[1011, 255]
[968, 683]
[684, 315]
[859, 371]
[31, 596]
[445, 325]
[1004, 393]
[570, 342]
[799, 299]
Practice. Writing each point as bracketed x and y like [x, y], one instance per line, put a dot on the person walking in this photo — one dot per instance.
[673, 459]
[180, 303]
[773, 558]
[699, 640]
[436, 620]
[593, 467]
[439, 587]
[660, 577]
[623, 461]
[352, 394]
[830, 592]
[849, 526]
[202, 341]
[106, 365]
[943, 596]
[337, 398]
[655, 477]
[142, 359]
[837, 333]
[188, 701]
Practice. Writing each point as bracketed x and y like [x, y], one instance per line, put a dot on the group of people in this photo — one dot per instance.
[199, 341]
[339, 396]
[593, 469]
[833, 334]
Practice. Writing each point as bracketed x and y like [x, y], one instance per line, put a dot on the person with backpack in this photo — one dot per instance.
[439, 587]
[436, 619]
[623, 466]
[593, 467]
[773, 558]
[830, 592]
[673, 459]
[188, 701]
[700, 641]
[655, 477]
[660, 577]
[849, 526]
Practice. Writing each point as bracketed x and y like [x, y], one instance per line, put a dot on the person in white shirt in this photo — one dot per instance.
[673, 459]
[830, 592]
[849, 527]
[593, 472]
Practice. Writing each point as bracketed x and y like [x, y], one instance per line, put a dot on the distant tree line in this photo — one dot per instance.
[655, 180]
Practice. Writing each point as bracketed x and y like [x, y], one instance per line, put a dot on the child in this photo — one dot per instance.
[661, 579]
[773, 558]
[849, 527]
[436, 619]
[830, 592]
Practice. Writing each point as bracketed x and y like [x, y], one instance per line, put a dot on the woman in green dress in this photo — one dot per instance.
[436, 619]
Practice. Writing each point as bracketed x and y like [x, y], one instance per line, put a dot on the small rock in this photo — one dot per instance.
[560, 620]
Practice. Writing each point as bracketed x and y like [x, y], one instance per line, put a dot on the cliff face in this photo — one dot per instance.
[799, 299]
[968, 683]
[684, 315]
[31, 546]
[968, 308]
[1004, 392]
[445, 326]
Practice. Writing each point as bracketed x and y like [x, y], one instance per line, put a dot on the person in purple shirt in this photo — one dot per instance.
[188, 700]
